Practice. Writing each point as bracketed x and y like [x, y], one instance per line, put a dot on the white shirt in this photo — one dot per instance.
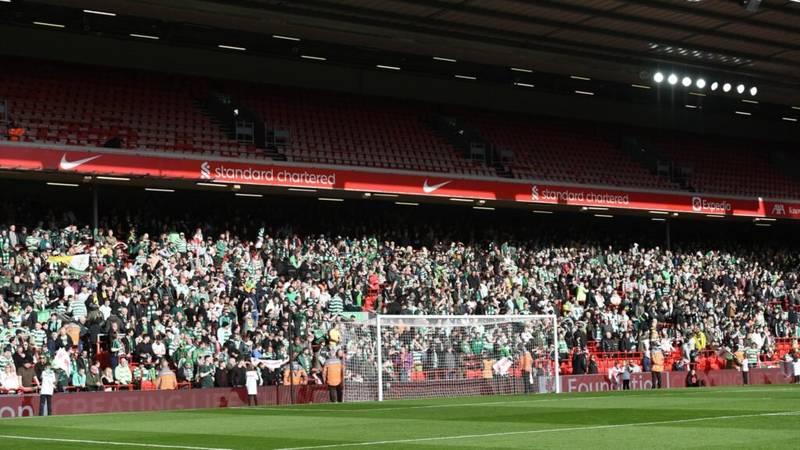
[613, 374]
[10, 381]
[324, 298]
[48, 382]
[745, 365]
[106, 310]
[159, 349]
[757, 339]
[796, 366]
[223, 333]
[666, 345]
[253, 380]
[83, 296]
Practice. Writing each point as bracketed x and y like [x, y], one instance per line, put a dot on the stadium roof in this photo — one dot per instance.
[716, 34]
[610, 40]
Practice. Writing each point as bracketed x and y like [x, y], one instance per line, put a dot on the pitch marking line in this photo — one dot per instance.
[310, 408]
[546, 430]
[402, 408]
[127, 444]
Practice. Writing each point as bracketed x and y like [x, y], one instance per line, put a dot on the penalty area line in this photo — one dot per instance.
[91, 442]
[545, 430]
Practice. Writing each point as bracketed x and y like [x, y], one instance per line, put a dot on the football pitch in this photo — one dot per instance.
[765, 417]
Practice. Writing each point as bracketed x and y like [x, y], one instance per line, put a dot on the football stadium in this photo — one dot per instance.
[399, 224]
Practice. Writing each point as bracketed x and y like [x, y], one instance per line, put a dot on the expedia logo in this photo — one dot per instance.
[535, 192]
[205, 171]
[701, 205]
[779, 209]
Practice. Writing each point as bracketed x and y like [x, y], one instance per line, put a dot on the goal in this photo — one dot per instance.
[400, 357]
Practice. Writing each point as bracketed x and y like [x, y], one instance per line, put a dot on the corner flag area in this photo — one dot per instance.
[752, 417]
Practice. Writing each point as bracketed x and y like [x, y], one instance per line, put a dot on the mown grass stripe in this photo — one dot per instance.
[92, 442]
[545, 430]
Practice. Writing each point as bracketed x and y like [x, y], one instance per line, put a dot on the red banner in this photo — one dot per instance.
[176, 166]
[126, 401]
[594, 383]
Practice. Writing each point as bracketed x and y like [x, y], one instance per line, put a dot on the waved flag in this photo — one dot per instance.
[76, 262]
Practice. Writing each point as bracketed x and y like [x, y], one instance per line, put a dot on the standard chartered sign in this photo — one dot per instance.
[579, 196]
[270, 175]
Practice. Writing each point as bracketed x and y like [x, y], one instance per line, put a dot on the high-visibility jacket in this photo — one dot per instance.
[333, 372]
[700, 341]
[526, 362]
[166, 380]
[295, 376]
[487, 368]
[658, 361]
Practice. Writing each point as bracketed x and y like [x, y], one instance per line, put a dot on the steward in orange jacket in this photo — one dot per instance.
[658, 366]
[333, 375]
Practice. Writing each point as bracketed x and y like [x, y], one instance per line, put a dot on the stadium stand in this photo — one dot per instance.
[352, 130]
[557, 150]
[210, 285]
[84, 105]
[729, 167]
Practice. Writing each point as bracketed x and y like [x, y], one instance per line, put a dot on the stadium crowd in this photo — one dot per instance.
[190, 302]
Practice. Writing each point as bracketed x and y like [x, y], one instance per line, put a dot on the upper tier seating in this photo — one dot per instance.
[553, 150]
[728, 168]
[85, 105]
[353, 130]
[82, 105]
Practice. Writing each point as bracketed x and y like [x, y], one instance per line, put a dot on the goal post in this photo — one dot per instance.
[409, 356]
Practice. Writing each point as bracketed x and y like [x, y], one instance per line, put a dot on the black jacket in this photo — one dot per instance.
[237, 376]
[221, 378]
[592, 368]
[579, 363]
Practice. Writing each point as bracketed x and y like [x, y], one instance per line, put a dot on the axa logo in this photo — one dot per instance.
[779, 209]
[205, 171]
[69, 165]
[535, 192]
[428, 188]
[697, 204]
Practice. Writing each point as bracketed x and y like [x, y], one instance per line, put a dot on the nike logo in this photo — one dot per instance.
[428, 188]
[69, 165]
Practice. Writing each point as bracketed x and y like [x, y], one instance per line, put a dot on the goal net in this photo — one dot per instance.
[400, 357]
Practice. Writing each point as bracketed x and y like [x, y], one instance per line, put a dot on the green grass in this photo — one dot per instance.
[765, 417]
